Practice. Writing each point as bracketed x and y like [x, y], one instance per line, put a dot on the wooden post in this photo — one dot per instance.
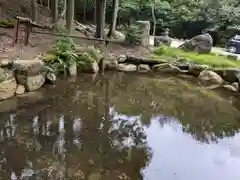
[16, 29]
[28, 29]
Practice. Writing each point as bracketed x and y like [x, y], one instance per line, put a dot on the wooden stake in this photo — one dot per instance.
[16, 29]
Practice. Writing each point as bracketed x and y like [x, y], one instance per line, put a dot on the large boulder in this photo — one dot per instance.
[28, 67]
[33, 83]
[201, 43]
[208, 77]
[8, 84]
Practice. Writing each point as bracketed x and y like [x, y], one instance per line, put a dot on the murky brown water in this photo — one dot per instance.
[120, 127]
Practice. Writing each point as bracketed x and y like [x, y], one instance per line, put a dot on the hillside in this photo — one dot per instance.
[11, 8]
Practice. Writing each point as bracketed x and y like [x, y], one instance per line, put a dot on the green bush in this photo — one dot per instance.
[211, 59]
[61, 56]
[133, 35]
[65, 53]
[6, 23]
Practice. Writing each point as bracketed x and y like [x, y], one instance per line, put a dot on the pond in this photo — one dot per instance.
[121, 126]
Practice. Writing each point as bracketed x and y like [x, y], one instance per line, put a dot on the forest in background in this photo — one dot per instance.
[184, 18]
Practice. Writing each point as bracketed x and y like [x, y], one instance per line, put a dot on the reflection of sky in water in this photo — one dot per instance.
[177, 156]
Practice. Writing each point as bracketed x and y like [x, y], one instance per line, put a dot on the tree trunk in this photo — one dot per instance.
[114, 18]
[95, 13]
[55, 11]
[84, 10]
[69, 15]
[154, 18]
[34, 10]
[100, 7]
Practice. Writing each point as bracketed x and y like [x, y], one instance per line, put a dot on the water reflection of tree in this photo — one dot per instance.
[202, 113]
[97, 157]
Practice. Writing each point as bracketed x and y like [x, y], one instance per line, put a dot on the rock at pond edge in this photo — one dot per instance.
[208, 77]
[34, 82]
[8, 88]
[126, 67]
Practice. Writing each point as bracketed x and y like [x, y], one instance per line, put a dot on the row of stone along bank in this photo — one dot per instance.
[22, 76]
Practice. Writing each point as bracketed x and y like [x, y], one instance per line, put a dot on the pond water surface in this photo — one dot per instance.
[121, 127]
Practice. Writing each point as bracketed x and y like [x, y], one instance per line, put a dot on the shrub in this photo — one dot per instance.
[65, 53]
[6, 23]
[133, 35]
[60, 57]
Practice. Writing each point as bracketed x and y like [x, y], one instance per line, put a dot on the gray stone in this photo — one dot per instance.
[201, 43]
[207, 77]
[20, 89]
[126, 67]
[230, 88]
[28, 67]
[196, 69]
[166, 68]
[34, 82]
[72, 69]
[7, 88]
[231, 75]
[143, 68]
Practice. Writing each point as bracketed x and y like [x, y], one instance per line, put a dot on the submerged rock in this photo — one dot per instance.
[143, 68]
[7, 88]
[208, 77]
[166, 68]
[126, 67]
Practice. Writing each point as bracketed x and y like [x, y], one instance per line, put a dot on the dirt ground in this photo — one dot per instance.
[40, 43]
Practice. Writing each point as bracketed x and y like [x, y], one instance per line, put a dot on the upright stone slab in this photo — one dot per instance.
[144, 27]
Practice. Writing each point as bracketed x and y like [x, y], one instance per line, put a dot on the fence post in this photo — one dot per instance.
[16, 30]
[28, 27]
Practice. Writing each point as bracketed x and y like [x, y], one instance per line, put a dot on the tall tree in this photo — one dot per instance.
[34, 10]
[114, 18]
[69, 15]
[154, 18]
[55, 11]
[84, 9]
[100, 17]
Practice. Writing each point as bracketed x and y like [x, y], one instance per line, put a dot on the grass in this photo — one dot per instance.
[211, 59]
